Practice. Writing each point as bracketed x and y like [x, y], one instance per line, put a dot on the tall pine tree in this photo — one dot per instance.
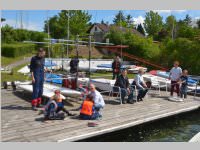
[140, 29]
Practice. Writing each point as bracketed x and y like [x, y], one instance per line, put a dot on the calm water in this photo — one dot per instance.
[180, 128]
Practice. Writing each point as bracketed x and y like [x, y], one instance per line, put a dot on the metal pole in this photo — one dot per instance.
[68, 34]
[77, 38]
[63, 47]
[90, 46]
[48, 34]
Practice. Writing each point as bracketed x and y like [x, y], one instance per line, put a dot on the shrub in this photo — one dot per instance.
[15, 50]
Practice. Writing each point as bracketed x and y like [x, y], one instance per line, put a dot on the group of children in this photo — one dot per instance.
[55, 105]
[179, 77]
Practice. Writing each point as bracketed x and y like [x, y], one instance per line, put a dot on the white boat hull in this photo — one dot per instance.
[49, 89]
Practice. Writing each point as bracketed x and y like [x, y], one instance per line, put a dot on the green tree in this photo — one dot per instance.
[102, 22]
[140, 29]
[3, 19]
[185, 31]
[120, 19]
[78, 23]
[7, 33]
[153, 23]
[139, 46]
[187, 20]
[198, 23]
[129, 21]
[171, 26]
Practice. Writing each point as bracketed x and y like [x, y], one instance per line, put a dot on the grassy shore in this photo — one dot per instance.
[9, 60]
[14, 76]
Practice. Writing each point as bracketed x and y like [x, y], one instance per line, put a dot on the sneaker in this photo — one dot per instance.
[34, 108]
[130, 102]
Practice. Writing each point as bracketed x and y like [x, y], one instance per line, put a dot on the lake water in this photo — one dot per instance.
[180, 128]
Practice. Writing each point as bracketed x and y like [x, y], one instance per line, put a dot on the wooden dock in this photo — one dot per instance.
[21, 124]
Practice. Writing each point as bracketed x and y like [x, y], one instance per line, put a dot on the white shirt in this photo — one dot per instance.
[175, 73]
[98, 98]
[139, 80]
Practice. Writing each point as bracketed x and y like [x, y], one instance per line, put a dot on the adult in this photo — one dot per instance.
[37, 74]
[116, 66]
[140, 84]
[123, 82]
[74, 65]
[174, 76]
[87, 109]
[97, 98]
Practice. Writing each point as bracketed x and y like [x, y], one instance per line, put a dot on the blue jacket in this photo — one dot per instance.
[37, 67]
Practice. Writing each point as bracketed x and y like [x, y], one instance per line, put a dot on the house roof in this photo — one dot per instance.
[106, 28]
[103, 27]
[123, 29]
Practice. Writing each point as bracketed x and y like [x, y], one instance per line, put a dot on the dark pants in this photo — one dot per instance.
[183, 91]
[94, 116]
[62, 109]
[51, 114]
[37, 90]
[142, 93]
[115, 75]
[124, 93]
[173, 85]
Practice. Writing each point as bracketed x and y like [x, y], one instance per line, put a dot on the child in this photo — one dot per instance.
[59, 101]
[87, 109]
[50, 111]
[184, 83]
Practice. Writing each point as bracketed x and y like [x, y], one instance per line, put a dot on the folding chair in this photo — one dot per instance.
[156, 84]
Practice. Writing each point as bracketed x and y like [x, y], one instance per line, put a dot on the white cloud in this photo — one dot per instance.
[197, 18]
[139, 20]
[169, 11]
[16, 24]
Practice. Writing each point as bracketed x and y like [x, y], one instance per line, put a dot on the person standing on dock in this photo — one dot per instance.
[116, 66]
[123, 82]
[37, 74]
[174, 76]
[184, 84]
[74, 65]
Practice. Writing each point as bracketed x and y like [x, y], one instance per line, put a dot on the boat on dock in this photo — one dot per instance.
[49, 90]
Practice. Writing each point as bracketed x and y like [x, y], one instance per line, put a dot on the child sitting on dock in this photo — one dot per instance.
[184, 83]
[50, 111]
[59, 101]
[87, 109]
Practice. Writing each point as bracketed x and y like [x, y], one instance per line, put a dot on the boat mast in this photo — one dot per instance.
[68, 15]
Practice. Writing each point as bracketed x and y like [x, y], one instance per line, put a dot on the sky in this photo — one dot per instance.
[34, 19]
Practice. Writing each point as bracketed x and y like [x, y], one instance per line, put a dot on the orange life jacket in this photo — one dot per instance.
[87, 107]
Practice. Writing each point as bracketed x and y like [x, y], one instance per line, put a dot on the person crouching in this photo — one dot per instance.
[87, 109]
